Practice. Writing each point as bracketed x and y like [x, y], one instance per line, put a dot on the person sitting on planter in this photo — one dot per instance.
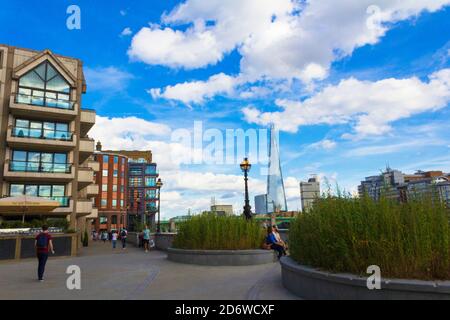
[277, 235]
[274, 244]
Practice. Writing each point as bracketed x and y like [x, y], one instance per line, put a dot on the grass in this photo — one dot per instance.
[211, 232]
[406, 240]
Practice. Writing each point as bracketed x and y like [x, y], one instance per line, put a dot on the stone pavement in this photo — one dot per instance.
[132, 274]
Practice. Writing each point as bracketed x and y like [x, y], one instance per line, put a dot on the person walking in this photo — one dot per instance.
[43, 243]
[104, 236]
[123, 237]
[146, 238]
[114, 238]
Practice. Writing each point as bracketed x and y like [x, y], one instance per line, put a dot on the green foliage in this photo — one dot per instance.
[85, 239]
[51, 222]
[211, 232]
[343, 234]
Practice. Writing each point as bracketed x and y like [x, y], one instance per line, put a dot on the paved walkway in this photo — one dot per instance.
[132, 274]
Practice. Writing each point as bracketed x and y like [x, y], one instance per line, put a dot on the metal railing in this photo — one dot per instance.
[44, 101]
[46, 134]
[43, 167]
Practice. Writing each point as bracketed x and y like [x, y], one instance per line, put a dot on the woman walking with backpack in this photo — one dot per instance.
[43, 243]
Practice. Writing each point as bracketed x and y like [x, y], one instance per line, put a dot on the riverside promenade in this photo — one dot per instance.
[132, 274]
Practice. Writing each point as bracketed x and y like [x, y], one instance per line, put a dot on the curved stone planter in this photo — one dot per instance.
[309, 283]
[221, 257]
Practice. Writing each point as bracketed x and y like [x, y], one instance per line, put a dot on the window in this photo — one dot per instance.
[115, 173]
[44, 86]
[122, 189]
[114, 219]
[30, 161]
[105, 173]
[104, 203]
[116, 159]
[41, 130]
[114, 203]
[150, 194]
[150, 181]
[114, 188]
[54, 192]
[150, 169]
[121, 203]
[105, 159]
[135, 171]
[104, 187]
[103, 220]
[135, 181]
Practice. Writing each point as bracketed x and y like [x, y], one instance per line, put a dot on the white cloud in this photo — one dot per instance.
[126, 32]
[197, 91]
[123, 13]
[370, 107]
[325, 144]
[281, 39]
[110, 79]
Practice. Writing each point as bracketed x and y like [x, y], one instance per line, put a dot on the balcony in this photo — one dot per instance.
[66, 206]
[84, 207]
[40, 107]
[92, 190]
[41, 139]
[87, 121]
[85, 177]
[93, 215]
[86, 149]
[37, 171]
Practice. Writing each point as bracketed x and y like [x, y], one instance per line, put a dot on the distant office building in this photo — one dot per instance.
[143, 195]
[222, 209]
[261, 204]
[112, 200]
[309, 192]
[393, 184]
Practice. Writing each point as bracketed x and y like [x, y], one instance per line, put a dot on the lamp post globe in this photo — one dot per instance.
[245, 167]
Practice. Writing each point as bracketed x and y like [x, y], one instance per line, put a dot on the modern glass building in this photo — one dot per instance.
[276, 196]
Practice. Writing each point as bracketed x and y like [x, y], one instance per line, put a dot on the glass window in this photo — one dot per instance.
[59, 191]
[115, 173]
[103, 202]
[103, 220]
[150, 169]
[135, 171]
[31, 190]
[104, 187]
[116, 159]
[105, 159]
[114, 188]
[150, 181]
[122, 189]
[114, 219]
[114, 203]
[121, 203]
[16, 190]
[105, 173]
[45, 191]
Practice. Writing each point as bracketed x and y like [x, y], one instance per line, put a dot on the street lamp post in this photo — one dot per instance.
[159, 184]
[245, 167]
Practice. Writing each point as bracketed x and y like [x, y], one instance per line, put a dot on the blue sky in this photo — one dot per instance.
[351, 88]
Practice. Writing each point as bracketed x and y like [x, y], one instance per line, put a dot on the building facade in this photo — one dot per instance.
[112, 200]
[393, 184]
[45, 150]
[143, 195]
[261, 204]
[222, 209]
[309, 192]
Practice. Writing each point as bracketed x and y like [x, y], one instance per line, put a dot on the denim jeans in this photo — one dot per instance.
[42, 258]
[124, 243]
[114, 242]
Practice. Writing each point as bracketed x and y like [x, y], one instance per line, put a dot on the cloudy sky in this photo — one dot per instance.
[352, 85]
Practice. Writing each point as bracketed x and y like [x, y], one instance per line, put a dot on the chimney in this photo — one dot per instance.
[99, 146]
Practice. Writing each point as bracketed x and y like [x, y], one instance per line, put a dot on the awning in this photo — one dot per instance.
[27, 205]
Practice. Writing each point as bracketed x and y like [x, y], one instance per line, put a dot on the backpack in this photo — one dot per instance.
[42, 241]
[123, 234]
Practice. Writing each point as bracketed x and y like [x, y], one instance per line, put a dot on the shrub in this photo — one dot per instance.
[406, 240]
[211, 232]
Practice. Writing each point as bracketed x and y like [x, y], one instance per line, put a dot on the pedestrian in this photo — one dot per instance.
[114, 238]
[43, 243]
[146, 238]
[123, 237]
[104, 236]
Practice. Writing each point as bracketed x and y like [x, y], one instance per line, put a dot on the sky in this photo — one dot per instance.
[352, 86]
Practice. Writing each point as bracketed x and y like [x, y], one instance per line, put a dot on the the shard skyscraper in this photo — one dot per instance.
[276, 196]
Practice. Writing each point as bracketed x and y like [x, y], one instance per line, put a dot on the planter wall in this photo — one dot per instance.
[163, 241]
[16, 247]
[309, 283]
[221, 257]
